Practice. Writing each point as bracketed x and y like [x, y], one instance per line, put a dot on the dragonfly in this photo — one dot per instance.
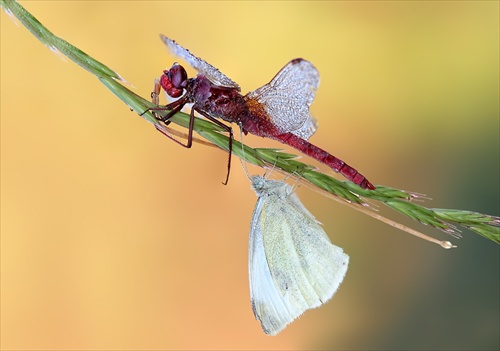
[279, 110]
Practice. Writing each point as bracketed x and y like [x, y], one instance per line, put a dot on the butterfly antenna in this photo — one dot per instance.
[294, 186]
[242, 159]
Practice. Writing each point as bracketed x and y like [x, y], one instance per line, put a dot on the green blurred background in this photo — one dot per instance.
[114, 237]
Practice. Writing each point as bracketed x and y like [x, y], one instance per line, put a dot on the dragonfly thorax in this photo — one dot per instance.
[217, 101]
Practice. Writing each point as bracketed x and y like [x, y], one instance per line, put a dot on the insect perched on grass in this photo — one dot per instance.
[278, 110]
[293, 266]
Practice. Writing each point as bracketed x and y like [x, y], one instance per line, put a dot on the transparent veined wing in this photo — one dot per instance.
[288, 96]
[203, 67]
[293, 266]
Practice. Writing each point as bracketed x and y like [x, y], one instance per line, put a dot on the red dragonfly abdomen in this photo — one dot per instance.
[324, 157]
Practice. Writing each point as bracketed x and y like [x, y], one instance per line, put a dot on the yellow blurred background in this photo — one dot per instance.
[114, 237]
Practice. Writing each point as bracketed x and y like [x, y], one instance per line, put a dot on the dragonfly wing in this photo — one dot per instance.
[308, 128]
[288, 95]
[203, 67]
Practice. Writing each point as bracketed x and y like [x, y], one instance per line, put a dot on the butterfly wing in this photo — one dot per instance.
[288, 96]
[267, 303]
[203, 67]
[293, 265]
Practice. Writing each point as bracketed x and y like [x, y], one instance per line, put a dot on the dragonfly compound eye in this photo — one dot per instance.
[178, 76]
[168, 86]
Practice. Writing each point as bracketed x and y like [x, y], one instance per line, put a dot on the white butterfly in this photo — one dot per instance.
[293, 266]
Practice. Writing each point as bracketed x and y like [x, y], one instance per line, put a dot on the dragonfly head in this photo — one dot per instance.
[174, 80]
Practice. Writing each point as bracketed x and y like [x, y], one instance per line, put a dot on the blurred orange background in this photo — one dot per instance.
[114, 237]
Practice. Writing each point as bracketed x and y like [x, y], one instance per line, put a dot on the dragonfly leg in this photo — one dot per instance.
[155, 94]
[173, 108]
[163, 130]
[228, 129]
[166, 121]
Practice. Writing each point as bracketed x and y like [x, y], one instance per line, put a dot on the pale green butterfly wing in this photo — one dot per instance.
[293, 265]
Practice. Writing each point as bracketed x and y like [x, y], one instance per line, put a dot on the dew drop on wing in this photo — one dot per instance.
[288, 96]
[203, 67]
